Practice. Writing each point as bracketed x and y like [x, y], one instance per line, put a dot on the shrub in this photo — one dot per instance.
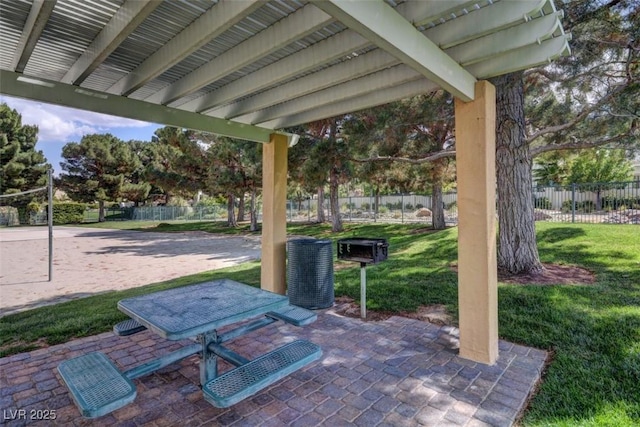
[9, 215]
[542, 203]
[587, 206]
[68, 213]
[615, 203]
[34, 207]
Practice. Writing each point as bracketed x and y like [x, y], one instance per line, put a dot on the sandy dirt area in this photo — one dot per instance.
[89, 261]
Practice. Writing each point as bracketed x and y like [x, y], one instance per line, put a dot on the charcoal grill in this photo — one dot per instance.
[364, 250]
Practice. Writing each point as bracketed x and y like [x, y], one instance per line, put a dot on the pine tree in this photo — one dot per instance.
[98, 168]
[22, 167]
[397, 143]
[587, 100]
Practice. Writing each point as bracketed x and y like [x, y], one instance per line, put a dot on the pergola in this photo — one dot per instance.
[246, 68]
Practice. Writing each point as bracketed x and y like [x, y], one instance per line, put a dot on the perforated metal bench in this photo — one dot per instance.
[246, 380]
[128, 327]
[96, 385]
[296, 316]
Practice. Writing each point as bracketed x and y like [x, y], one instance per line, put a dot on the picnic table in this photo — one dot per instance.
[198, 312]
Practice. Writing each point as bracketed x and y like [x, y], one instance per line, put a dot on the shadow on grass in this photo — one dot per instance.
[558, 234]
[594, 336]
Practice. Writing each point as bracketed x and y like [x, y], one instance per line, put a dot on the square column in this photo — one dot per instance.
[475, 124]
[274, 214]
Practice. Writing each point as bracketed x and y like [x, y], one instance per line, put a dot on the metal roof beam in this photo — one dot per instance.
[20, 86]
[530, 33]
[345, 71]
[351, 105]
[211, 24]
[33, 27]
[297, 25]
[123, 23]
[527, 57]
[307, 59]
[370, 83]
[423, 12]
[474, 51]
[484, 21]
[342, 44]
[387, 29]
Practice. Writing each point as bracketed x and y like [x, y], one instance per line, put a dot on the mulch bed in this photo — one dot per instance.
[553, 274]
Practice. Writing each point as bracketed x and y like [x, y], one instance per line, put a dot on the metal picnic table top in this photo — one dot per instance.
[191, 310]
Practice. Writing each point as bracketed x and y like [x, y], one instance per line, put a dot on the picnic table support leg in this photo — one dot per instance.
[154, 365]
[363, 290]
[209, 360]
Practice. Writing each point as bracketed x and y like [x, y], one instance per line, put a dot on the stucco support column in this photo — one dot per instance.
[274, 214]
[477, 265]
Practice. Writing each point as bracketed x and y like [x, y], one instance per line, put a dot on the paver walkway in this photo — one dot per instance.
[397, 372]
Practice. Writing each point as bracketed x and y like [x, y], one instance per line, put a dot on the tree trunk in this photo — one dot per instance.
[101, 211]
[254, 211]
[376, 203]
[334, 202]
[517, 248]
[231, 218]
[321, 217]
[437, 208]
[241, 208]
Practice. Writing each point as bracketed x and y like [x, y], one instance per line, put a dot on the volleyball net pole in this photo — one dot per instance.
[50, 219]
[49, 189]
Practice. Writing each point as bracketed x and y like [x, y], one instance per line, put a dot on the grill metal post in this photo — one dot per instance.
[365, 251]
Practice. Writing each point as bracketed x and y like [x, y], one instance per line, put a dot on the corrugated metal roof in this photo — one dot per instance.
[74, 27]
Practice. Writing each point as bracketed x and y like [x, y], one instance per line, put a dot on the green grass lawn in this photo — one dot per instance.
[593, 331]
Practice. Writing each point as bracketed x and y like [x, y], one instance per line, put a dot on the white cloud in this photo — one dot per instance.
[62, 124]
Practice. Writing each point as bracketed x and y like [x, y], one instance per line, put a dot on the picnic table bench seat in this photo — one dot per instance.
[294, 315]
[128, 327]
[247, 379]
[96, 385]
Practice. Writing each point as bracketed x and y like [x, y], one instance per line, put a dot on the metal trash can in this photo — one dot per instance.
[310, 273]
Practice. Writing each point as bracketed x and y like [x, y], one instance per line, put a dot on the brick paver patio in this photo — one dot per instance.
[397, 372]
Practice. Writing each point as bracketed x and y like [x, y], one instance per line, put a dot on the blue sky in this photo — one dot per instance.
[59, 125]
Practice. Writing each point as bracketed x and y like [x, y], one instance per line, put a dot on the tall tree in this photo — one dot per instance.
[180, 164]
[601, 167]
[517, 247]
[234, 170]
[552, 168]
[328, 160]
[417, 132]
[593, 102]
[137, 189]
[98, 169]
[22, 167]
